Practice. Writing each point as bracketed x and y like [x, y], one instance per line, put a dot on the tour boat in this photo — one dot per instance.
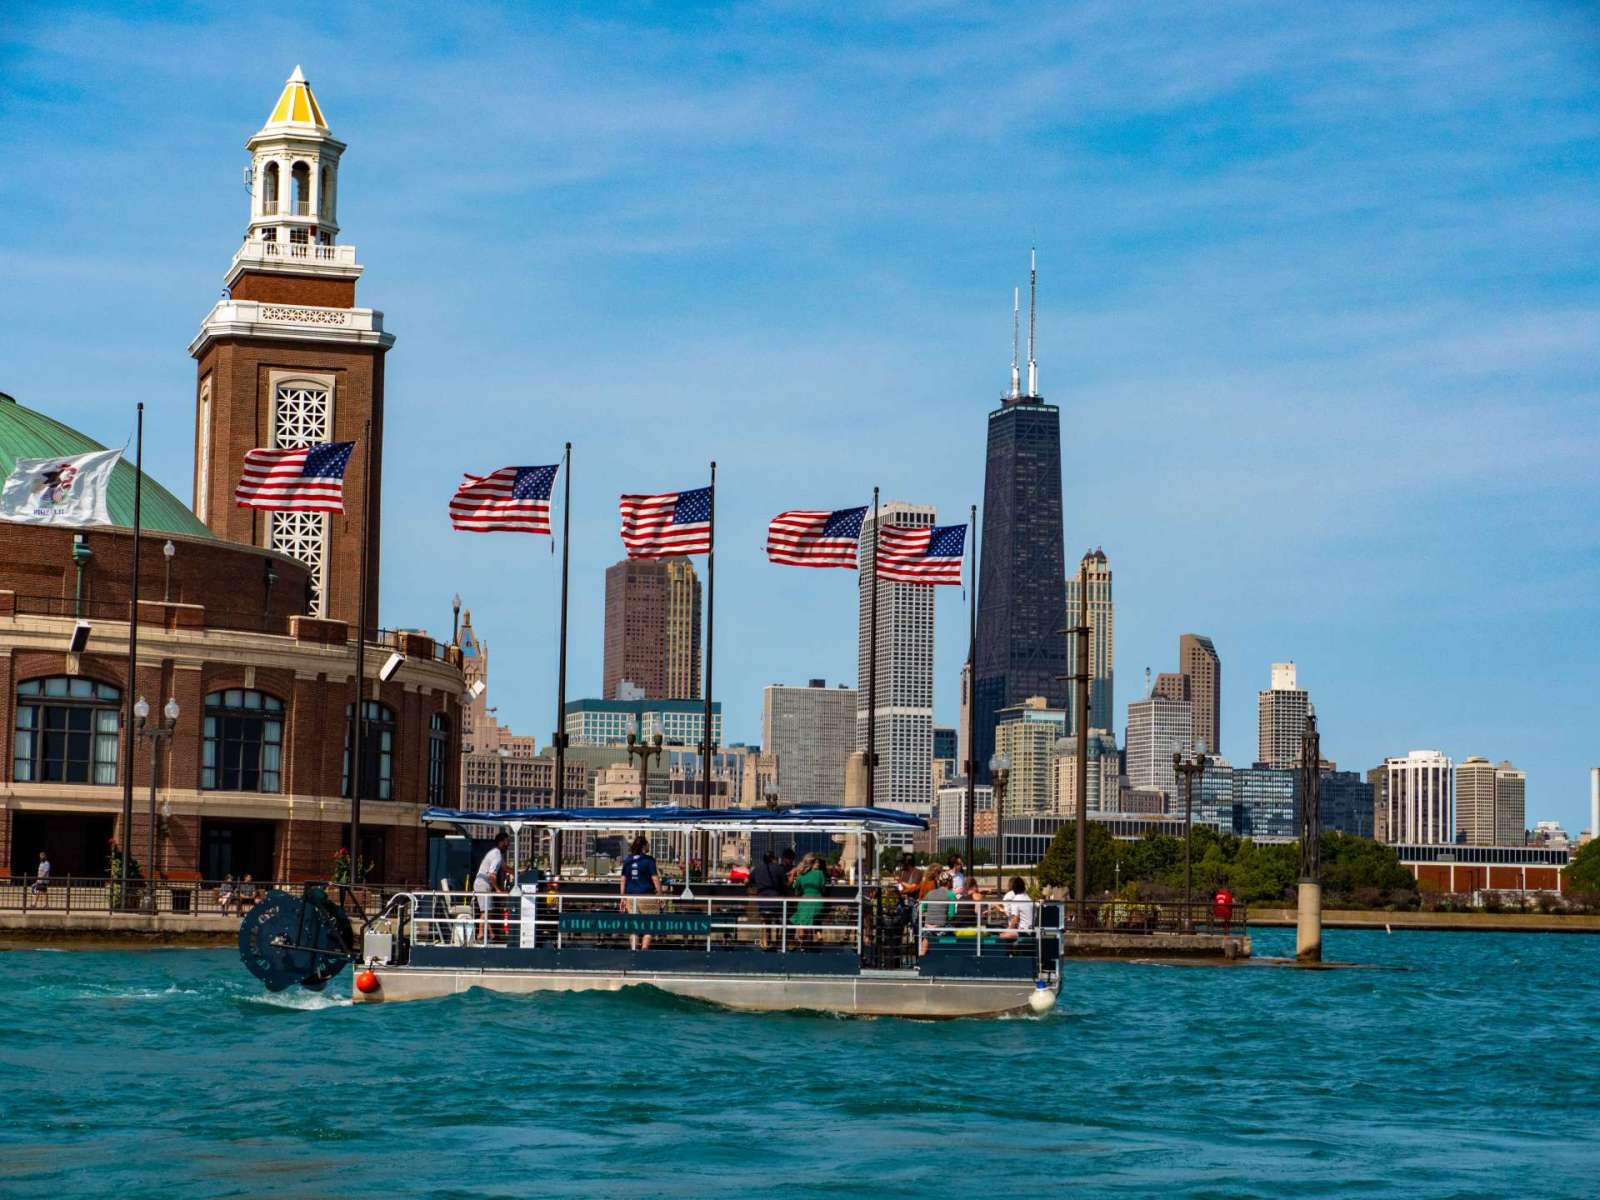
[858, 949]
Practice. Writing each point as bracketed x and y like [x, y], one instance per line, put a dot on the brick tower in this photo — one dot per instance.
[287, 359]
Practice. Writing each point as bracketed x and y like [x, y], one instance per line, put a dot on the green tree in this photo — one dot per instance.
[1058, 868]
[1583, 871]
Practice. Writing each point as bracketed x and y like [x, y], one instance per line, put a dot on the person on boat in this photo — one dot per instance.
[488, 881]
[958, 874]
[967, 913]
[908, 879]
[808, 880]
[936, 906]
[1019, 909]
[767, 878]
[640, 877]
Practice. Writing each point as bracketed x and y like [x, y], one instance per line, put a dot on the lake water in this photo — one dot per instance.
[169, 1073]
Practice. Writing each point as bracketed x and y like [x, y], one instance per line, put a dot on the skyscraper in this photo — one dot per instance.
[1158, 727]
[1027, 734]
[1021, 649]
[812, 730]
[1102, 639]
[1419, 797]
[1199, 664]
[1510, 805]
[1281, 718]
[904, 717]
[652, 635]
[1475, 801]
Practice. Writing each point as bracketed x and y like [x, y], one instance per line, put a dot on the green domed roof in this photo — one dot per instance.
[28, 434]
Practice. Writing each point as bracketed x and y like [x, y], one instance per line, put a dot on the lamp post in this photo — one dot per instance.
[168, 551]
[999, 776]
[81, 554]
[644, 752]
[157, 733]
[1191, 768]
[455, 619]
[269, 576]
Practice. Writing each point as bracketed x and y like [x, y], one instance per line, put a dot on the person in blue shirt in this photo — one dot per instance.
[640, 878]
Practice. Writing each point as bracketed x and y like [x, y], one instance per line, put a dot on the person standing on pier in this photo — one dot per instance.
[42, 881]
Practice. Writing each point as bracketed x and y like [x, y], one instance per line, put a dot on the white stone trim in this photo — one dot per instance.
[291, 322]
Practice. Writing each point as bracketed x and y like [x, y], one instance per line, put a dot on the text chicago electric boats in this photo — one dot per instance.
[857, 949]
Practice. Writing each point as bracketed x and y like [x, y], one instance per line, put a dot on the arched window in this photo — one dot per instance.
[269, 190]
[438, 758]
[377, 751]
[68, 729]
[300, 173]
[243, 747]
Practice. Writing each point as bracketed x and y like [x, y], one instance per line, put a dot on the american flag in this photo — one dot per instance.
[921, 553]
[668, 525]
[310, 479]
[512, 500]
[803, 538]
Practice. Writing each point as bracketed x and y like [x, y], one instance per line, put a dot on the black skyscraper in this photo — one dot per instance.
[1022, 593]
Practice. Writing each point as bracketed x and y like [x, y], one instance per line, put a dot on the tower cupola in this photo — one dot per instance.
[294, 172]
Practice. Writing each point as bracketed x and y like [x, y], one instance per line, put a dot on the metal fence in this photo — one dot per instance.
[1155, 916]
[203, 898]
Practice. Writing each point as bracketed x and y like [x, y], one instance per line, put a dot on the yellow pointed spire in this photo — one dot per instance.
[296, 105]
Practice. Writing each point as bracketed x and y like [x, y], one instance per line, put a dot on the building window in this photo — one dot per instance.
[269, 190]
[300, 175]
[68, 730]
[438, 757]
[302, 415]
[243, 748]
[377, 751]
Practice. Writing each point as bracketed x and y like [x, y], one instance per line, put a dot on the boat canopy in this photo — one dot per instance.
[816, 818]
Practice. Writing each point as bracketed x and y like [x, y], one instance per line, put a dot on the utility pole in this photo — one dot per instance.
[1191, 769]
[1308, 925]
[1080, 712]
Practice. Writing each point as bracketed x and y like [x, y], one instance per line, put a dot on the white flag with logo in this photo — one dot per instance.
[60, 491]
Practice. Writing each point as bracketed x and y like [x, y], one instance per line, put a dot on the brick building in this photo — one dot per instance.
[246, 619]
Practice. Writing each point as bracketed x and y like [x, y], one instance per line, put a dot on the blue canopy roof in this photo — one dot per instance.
[819, 818]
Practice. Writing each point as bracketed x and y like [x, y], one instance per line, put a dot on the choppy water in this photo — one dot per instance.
[171, 1074]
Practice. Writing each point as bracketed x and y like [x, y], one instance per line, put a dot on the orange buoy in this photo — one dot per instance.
[367, 982]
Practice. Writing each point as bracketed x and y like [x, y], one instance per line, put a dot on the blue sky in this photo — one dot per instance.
[1319, 303]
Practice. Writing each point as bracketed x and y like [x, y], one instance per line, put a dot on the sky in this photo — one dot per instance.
[1318, 301]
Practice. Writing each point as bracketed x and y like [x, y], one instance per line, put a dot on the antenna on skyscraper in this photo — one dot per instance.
[1016, 374]
[1033, 288]
[1147, 683]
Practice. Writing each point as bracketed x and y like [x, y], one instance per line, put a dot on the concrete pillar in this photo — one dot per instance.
[855, 796]
[1308, 929]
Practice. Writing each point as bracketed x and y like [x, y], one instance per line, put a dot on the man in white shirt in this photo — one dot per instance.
[43, 881]
[1019, 909]
[487, 882]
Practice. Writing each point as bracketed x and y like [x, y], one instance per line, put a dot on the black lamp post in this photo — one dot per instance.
[999, 776]
[644, 752]
[157, 733]
[81, 554]
[168, 552]
[1191, 769]
[455, 619]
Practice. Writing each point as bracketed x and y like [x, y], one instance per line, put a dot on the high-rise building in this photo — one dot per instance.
[1021, 649]
[1510, 805]
[1475, 802]
[1420, 799]
[1378, 780]
[1027, 735]
[1214, 797]
[286, 359]
[1281, 715]
[1158, 727]
[1344, 803]
[1103, 777]
[594, 722]
[652, 634]
[812, 730]
[1102, 639]
[904, 720]
[1263, 800]
[1199, 664]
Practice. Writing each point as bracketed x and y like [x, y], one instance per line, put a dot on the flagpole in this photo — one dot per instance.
[357, 738]
[133, 663]
[972, 648]
[561, 669]
[711, 614]
[872, 664]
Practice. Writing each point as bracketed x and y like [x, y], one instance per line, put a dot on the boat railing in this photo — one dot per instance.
[1008, 928]
[532, 919]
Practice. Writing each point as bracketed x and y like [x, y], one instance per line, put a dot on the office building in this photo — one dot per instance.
[812, 730]
[1021, 651]
[1475, 802]
[903, 723]
[1344, 802]
[1199, 664]
[1510, 805]
[652, 630]
[1027, 735]
[1102, 640]
[1103, 777]
[1263, 798]
[609, 722]
[1419, 799]
[1215, 801]
[1378, 781]
[951, 821]
[1281, 713]
[1158, 728]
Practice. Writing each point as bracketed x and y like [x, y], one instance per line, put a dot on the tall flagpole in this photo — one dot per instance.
[872, 665]
[133, 662]
[561, 669]
[972, 650]
[711, 620]
[358, 730]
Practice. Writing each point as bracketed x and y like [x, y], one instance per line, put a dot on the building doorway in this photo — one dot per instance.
[76, 845]
[238, 848]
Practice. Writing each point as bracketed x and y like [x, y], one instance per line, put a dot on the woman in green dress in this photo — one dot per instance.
[807, 879]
